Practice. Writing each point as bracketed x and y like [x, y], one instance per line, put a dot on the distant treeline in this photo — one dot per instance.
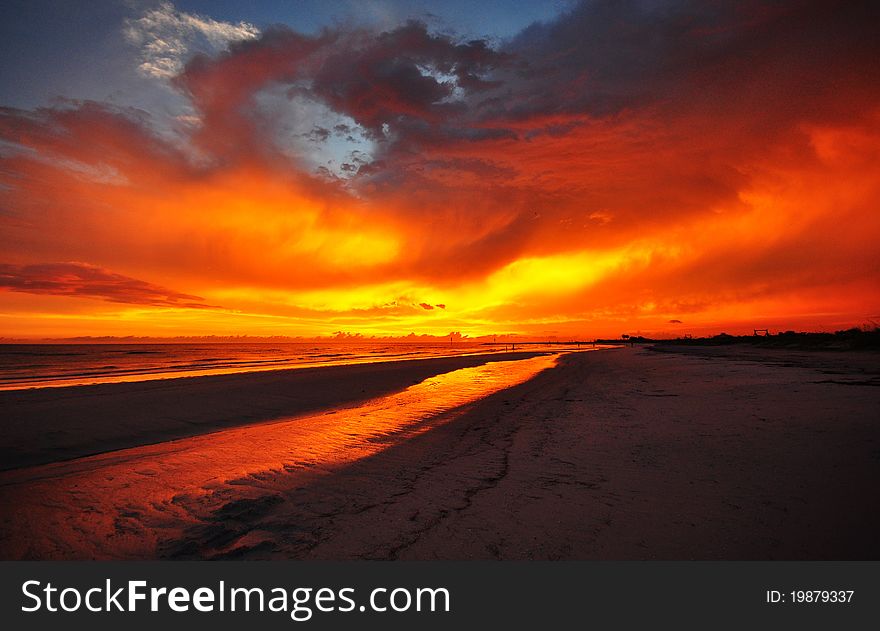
[849, 339]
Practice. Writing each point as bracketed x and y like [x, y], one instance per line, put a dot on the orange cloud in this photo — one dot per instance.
[654, 168]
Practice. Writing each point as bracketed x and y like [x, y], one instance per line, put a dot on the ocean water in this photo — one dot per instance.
[53, 365]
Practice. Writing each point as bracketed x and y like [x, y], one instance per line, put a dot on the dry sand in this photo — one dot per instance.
[718, 453]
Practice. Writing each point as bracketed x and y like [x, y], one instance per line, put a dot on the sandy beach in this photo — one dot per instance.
[630, 453]
[49, 424]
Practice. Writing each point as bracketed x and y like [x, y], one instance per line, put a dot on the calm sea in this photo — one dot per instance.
[43, 365]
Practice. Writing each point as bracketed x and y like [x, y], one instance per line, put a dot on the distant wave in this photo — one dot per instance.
[52, 365]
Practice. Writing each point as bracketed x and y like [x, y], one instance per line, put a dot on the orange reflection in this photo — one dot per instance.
[123, 504]
[154, 373]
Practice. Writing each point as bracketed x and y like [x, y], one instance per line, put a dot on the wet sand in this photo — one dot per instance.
[51, 424]
[618, 454]
[128, 503]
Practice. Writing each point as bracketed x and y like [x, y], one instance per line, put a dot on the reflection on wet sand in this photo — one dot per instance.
[125, 504]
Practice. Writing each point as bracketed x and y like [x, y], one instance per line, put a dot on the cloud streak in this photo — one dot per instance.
[89, 281]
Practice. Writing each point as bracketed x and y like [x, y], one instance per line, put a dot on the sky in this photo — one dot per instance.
[550, 169]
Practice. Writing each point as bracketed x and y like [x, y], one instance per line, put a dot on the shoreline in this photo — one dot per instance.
[128, 503]
[240, 366]
[631, 454]
[44, 425]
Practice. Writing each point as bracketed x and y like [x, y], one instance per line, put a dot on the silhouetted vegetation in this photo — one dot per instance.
[849, 339]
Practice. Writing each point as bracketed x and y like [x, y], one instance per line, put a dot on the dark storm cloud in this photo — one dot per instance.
[403, 80]
[406, 73]
[609, 55]
[765, 65]
[413, 89]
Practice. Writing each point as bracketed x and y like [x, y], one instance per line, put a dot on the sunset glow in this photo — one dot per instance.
[619, 168]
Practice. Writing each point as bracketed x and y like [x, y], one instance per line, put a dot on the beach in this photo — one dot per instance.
[47, 424]
[625, 453]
